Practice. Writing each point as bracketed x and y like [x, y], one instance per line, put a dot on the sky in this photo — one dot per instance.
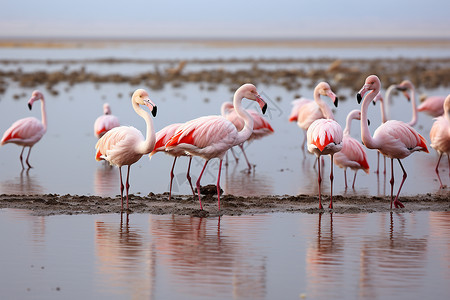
[225, 19]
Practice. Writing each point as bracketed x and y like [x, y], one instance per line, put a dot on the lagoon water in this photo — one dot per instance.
[268, 256]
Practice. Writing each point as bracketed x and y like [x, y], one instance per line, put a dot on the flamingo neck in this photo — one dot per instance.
[348, 123]
[246, 132]
[384, 116]
[43, 114]
[148, 144]
[367, 139]
[414, 108]
[326, 110]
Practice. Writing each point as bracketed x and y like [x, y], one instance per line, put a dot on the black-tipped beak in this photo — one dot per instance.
[374, 103]
[358, 98]
[29, 106]
[154, 110]
[368, 122]
[336, 102]
[264, 108]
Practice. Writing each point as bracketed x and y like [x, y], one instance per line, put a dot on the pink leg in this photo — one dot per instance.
[245, 156]
[28, 156]
[303, 143]
[128, 182]
[331, 179]
[354, 179]
[21, 156]
[198, 185]
[234, 155]
[218, 184]
[448, 157]
[392, 181]
[397, 203]
[384, 158]
[437, 171]
[171, 177]
[320, 182]
[378, 163]
[345, 177]
[188, 176]
[121, 188]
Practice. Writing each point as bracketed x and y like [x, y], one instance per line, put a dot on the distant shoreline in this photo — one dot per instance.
[55, 42]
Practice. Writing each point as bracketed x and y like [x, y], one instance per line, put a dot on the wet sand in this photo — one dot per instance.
[53, 204]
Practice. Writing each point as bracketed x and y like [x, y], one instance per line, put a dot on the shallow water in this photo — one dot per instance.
[64, 159]
[351, 256]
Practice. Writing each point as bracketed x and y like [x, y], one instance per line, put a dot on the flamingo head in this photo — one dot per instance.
[106, 109]
[447, 106]
[249, 91]
[324, 89]
[404, 87]
[35, 96]
[140, 96]
[372, 83]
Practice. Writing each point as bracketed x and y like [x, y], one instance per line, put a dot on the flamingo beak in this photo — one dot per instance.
[334, 98]
[261, 103]
[29, 106]
[30, 102]
[361, 93]
[151, 106]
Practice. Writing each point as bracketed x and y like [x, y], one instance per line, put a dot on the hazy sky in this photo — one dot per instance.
[230, 18]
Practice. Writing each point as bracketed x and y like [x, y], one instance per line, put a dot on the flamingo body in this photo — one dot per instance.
[27, 132]
[105, 122]
[440, 135]
[433, 106]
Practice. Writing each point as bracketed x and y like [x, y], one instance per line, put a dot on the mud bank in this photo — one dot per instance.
[53, 204]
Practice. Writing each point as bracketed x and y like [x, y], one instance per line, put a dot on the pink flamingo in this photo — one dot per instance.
[27, 131]
[440, 135]
[261, 127]
[352, 154]
[406, 86]
[433, 106]
[105, 122]
[306, 111]
[324, 136]
[162, 137]
[212, 136]
[394, 139]
[125, 145]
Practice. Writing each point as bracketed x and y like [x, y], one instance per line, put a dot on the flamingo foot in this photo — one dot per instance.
[398, 204]
[331, 205]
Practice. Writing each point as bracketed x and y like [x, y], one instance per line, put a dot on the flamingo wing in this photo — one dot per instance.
[308, 114]
[105, 123]
[440, 135]
[433, 106]
[296, 106]
[324, 132]
[26, 130]
[352, 155]
[163, 136]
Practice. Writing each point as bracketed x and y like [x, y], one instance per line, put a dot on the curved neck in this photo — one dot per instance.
[387, 98]
[367, 139]
[414, 108]
[148, 144]
[246, 132]
[348, 124]
[326, 110]
[43, 114]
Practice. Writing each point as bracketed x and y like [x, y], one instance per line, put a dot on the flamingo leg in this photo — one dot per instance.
[448, 157]
[20, 157]
[245, 156]
[171, 177]
[384, 158]
[378, 163]
[320, 181]
[397, 203]
[128, 182]
[392, 181]
[121, 188]
[437, 171]
[28, 156]
[303, 144]
[218, 184]
[188, 176]
[234, 155]
[354, 179]
[345, 177]
[331, 179]
[198, 184]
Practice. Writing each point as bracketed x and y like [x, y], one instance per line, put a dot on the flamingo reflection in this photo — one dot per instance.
[23, 184]
[105, 178]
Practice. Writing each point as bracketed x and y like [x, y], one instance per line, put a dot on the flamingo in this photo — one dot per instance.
[324, 136]
[394, 139]
[433, 106]
[440, 135]
[105, 122]
[406, 86]
[162, 137]
[212, 136]
[125, 145]
[27, 131]
[352, 154]
[261, 127]
[306, 111]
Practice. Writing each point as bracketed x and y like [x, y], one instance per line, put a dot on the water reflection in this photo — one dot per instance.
[23, 184]
[239, 182]
[124, 260]
[199, 255]
[105, 180]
